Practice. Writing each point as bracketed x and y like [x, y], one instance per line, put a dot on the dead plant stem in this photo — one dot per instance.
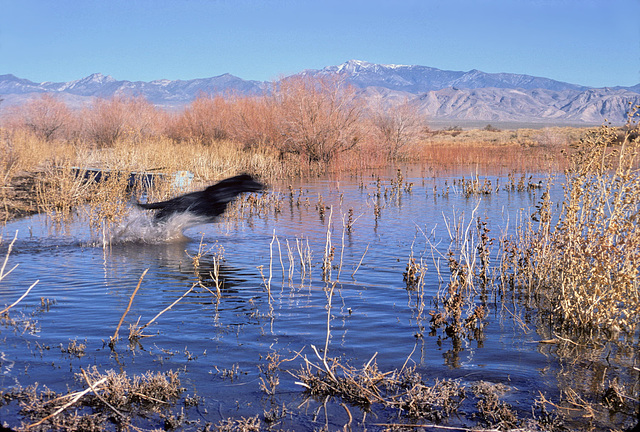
[168, 307]
[329, 301]
[6, 258]
[361, 259]
[75, 399]
[21, 297]
[115, 335]
[95, 392]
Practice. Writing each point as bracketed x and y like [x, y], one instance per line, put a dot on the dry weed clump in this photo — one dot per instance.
[461, 306]
[402, 390]
[403, 400]
[74, 348]
[251, 424]
[22, 153]
[581, 266]
[110, 401]
[62, 191]
[492, 411]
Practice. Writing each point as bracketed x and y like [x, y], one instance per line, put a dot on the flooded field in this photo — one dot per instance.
[355, 266]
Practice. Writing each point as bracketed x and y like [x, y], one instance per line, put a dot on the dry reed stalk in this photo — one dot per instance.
[167, 308]
[327, 258]
[361, 259]
[305, 258]
[291, 261]
[347, 226]
[115, 335]
[6, 258]
[329, 305]
[3, 274]
[268, 286]
[463, 249]
[217, 257]
[280, 255]
[195, 259]
[20, 299]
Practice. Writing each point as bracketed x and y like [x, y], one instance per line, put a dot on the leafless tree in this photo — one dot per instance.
[46, 116]
[397, 126]
[317, 117]
[111, 119]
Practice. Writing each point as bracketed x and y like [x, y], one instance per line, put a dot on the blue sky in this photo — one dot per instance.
[588, 42]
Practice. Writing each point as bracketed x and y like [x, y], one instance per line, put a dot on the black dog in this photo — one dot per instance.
[209, 203]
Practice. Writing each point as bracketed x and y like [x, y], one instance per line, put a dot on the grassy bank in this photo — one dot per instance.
[37, 173]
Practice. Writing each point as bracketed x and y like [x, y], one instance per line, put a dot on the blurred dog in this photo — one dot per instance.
[208, 204]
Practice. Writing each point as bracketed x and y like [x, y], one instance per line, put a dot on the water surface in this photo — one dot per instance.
[268, 303]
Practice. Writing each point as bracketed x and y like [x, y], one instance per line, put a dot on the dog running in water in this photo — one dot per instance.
[207, 204]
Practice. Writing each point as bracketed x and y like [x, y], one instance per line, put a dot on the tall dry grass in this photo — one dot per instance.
[527, 150]
[581, 264]
[303, 126]
[317, 123]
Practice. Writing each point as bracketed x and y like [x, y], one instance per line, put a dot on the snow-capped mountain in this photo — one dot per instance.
[160, 92]
[441, 94]
[421, 79]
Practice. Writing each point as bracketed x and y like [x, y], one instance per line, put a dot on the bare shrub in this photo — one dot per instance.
[583, 269]
[317, 117]
[253, 121]
[398, 126]
[47, 117]
[205, 120]
[111, 119]
[491, 128]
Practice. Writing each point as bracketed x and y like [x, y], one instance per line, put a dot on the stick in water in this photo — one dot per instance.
[115, 335]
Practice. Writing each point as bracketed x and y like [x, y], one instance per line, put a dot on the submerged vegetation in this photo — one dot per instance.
[570, 268]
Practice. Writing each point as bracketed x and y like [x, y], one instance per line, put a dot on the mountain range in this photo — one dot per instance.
[442, 95]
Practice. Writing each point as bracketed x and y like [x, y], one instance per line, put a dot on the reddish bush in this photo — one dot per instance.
[46, 116]
[316, 117]
[396, 127]
[111, 119]
[205, 120]
[253, 121]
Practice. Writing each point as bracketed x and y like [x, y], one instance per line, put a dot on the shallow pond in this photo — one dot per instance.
[273, 298]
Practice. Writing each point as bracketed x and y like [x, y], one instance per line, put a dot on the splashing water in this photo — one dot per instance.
[139, 226]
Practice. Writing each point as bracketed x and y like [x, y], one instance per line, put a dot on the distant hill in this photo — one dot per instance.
[165, 93]
[455, 96]
[422, 79]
